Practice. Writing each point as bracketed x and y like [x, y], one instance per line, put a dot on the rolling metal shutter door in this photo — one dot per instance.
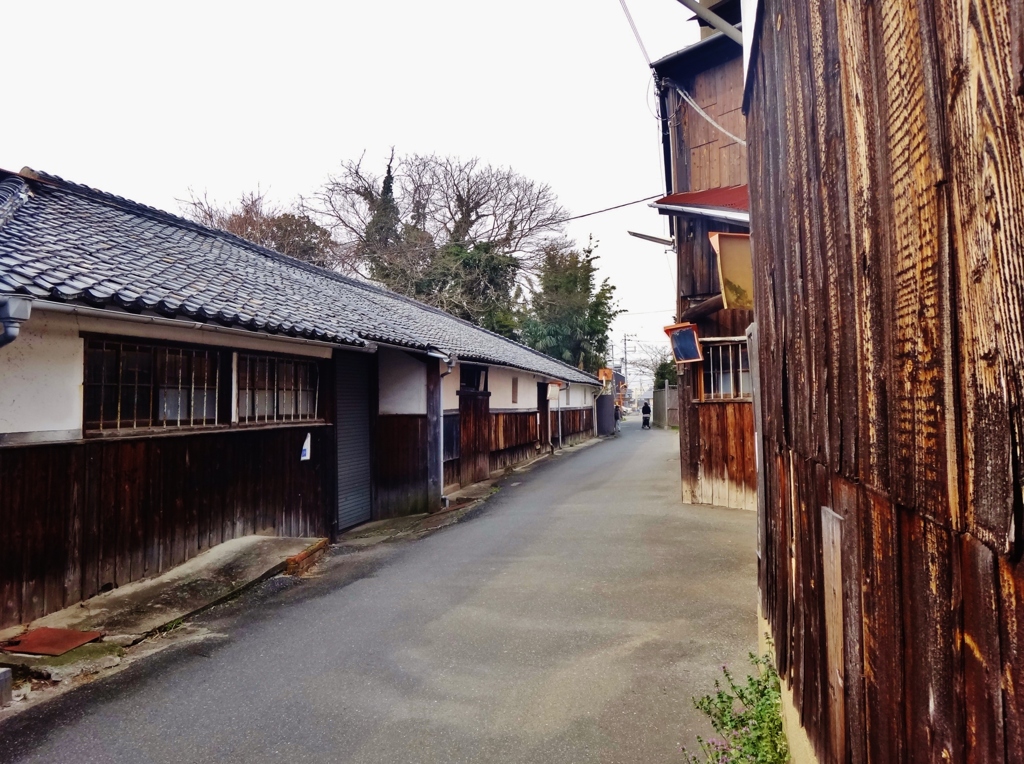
[355, 503]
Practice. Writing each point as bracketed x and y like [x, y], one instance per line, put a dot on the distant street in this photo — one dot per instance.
[571, 621]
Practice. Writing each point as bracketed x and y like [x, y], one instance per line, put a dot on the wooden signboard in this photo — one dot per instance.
[735, 271]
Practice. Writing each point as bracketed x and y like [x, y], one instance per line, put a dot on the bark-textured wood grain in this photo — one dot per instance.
[886, 164]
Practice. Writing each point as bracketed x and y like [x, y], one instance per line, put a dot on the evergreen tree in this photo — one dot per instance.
[570, 313]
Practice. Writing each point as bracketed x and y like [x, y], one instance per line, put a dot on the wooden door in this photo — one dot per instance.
[474, 436]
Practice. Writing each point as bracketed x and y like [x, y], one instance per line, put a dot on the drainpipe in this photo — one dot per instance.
[449, 361]
[15, 309]
[561, 444]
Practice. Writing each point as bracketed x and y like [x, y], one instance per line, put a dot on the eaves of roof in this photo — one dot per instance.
[730, 204]
[708, 53]
[72, 244]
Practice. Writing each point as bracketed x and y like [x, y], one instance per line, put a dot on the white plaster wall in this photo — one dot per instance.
[577, 396]
[41, 378]
[500, 384]
[402, 383]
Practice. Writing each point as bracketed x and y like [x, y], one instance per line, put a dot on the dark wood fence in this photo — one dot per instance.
[577, 425]
[886, 157]
[514, 438]
[82, 518]
[401, 466]
[717, 451]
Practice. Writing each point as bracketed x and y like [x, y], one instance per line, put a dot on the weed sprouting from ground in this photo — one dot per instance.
[747, 716]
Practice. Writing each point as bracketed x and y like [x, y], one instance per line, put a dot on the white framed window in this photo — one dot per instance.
[725, 371]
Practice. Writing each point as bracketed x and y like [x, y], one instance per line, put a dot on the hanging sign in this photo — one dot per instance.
[553, 390]
[685, 346]
[307, 447]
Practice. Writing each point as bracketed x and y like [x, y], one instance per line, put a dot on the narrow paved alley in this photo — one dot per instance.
[572, 620]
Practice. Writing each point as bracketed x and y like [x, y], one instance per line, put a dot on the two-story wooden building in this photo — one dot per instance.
[703, 140]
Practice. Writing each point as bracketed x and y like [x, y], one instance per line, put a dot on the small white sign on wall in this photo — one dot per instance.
[307, 448]
[553, 390]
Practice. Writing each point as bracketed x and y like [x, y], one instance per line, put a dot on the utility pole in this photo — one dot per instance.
[625, 357]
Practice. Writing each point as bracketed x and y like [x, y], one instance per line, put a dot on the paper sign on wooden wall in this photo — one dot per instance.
[307, 448]
[735, 271]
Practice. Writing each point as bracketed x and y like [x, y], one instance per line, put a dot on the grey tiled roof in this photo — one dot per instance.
[63, 242]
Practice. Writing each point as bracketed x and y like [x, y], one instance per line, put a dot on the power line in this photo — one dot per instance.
[609, 209]
[636, 34]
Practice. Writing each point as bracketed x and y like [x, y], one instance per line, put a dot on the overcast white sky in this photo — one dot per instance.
[146, 100]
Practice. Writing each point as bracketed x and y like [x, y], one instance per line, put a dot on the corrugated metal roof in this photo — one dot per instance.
[731, 197]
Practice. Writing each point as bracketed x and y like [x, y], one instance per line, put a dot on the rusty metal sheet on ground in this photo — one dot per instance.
[47, 641]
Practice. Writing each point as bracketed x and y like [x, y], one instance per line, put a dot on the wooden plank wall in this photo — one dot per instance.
[716, 439]
[78, 519]
[577, 425]
[716, 160]
[514, 437]
[886, 157]
[401, 466]
[726, 474]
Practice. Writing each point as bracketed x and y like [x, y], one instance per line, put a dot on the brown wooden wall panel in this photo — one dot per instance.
[716, 451]
[510, 429]
[514, 437]
[715, 159]
[400, 466]
[77, 519]
[577, 425]
[886, 158]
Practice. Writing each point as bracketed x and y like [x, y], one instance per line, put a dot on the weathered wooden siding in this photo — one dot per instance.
[514, 438]
[716, 442]
[577, 425]
[400, 465]
[886, 157]
[714, 159]
[698, 263]
[716, 438]
[77, 519]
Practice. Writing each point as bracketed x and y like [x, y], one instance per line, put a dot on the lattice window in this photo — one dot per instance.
[274, 389]
[134, 386]
[725, 372]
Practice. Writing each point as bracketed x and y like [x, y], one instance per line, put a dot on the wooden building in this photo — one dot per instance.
[886, 164]
[175, 387]
[703, 129]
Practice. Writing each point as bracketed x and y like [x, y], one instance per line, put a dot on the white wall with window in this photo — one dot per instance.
[577, 396]
[513, 389]
[69, 375]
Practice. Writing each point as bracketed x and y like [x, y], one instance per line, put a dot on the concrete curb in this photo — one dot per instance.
[280, 567]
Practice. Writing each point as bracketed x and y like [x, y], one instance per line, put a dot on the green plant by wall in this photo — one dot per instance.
[747, 717]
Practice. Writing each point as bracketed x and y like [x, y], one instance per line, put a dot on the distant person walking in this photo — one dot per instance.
[618, 416]
[646, 411]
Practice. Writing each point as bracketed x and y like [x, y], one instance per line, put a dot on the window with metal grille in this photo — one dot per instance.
[134, 385]
[274, 389]
[726, 371]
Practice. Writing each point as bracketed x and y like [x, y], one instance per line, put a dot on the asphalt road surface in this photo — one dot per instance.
[571, 620]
